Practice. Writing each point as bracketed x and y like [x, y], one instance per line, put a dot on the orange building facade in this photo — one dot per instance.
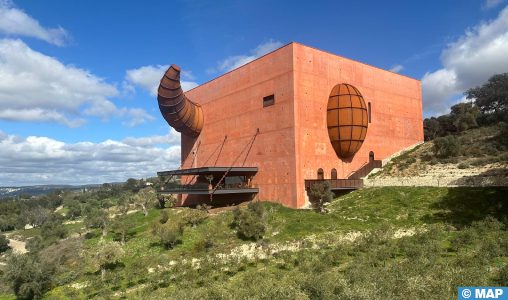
[272, 114]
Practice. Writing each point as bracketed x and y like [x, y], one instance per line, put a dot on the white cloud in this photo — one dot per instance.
[136, 116]
[38, 114]
[491, 3]
[43, 160]
[397, 68]
[14, 21]
[37, 87]
[233, 62]
[468, 62]
[173, 137]
[148, 78]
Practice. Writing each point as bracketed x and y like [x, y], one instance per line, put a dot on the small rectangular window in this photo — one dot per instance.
[370, 113]
[268, 100]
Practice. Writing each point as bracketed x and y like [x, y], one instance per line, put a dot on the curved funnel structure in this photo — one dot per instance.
[182, 114]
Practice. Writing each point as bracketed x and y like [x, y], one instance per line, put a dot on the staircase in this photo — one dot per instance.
[366, 169]
[353, 182]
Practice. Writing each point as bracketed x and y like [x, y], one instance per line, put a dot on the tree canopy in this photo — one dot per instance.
[488, 105]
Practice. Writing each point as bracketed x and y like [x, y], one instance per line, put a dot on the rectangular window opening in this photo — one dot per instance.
[268, 100]
[370, 113]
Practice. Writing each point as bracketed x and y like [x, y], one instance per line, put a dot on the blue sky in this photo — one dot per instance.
[77, 77]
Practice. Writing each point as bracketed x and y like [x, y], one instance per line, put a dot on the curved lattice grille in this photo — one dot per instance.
[347, 119]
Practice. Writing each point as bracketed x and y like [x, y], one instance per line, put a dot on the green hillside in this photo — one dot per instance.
[377, 243]
[479, 147]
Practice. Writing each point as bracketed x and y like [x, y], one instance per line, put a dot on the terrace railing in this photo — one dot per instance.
[336, 184]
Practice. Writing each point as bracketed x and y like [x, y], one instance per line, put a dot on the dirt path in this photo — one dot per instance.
[18, 246]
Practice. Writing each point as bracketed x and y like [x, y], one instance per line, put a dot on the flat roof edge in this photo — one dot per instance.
[304, 45]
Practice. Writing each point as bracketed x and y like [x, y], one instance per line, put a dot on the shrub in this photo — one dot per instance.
[170, 234]
[447, 146]
[204, 207]
[503, 276]
[194, 217]
[250, 222]
[29, 278]
[319, 194]
[90, 235]
[4, 243]
[164, 217]
[463, 166]
[203, 244]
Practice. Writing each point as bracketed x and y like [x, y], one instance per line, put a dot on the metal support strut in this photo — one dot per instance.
[229, 169]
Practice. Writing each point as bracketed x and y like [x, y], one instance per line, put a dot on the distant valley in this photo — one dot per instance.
[37, 190]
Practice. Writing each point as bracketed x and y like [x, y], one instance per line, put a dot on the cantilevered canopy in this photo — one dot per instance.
[234, 171]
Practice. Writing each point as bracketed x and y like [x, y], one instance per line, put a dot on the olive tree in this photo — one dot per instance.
[144, 198]
[319, 194]
[107, 256]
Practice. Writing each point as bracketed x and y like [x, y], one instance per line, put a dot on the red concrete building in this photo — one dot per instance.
[265, 127]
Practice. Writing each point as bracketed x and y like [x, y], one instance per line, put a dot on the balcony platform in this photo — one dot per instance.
[236, 171]
[225, 180]
[193, 191]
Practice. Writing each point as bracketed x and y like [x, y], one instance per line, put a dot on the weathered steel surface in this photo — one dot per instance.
[181, 113]
[347, 119]
[336, 184]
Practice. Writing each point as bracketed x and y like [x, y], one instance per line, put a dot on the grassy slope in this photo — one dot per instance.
[479, 147]
[375, 265]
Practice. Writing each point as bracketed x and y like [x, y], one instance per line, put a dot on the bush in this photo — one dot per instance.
[447, 146]
[170, 234]
[503, 276]
[194, 217]
[164, 217]
[319, 194]
[250, 222]
[463, 166]
[29, 278]
[4, 243]
[90, 235]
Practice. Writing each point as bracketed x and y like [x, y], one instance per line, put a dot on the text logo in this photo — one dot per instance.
[483, 292]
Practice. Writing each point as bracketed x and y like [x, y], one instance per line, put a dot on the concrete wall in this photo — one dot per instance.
[293, 141]
[233, 106]
[396, 112]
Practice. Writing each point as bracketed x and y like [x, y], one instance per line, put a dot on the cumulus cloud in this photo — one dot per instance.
[467, 62]
[173, 137]
[43, 160]
[37, 87]
[148, 78]
[397, 68]
[37, 114]
[136, 116]
[491, 3]
[14, 21]
[235, 61]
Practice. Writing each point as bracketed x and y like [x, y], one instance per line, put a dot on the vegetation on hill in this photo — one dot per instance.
[468, 146]
[469, 149]
[121, 241]
[488, 106]
[413, 237]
